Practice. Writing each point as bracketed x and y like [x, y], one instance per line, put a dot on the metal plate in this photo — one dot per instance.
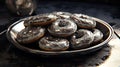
[18, 26]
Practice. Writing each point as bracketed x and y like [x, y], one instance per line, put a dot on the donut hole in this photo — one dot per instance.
[79, 35]
[63, 23]
[51, 39]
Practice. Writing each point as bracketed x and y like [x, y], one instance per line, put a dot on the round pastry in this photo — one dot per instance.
[40, 20]
[82, 39]
[62, 14]
[53, 44]
[84, 21]
[30, 34]
[82, 16]
[62, 28]
[98, 35]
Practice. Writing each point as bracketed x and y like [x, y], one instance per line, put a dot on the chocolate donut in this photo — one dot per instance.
[40, 20]
[64, 15]
[84, 21]
[53, 44]
[98, 35]
[62, 28]
[30, 34]
[82, 39]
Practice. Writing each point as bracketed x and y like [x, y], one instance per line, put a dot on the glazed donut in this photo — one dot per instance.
[64, 15]
[30, 34]
[81, 39]
[84, 21]
[40, 20]
[62, 28]
[98, 35]
[53, 44]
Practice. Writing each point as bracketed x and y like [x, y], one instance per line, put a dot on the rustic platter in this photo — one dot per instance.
[19, 25]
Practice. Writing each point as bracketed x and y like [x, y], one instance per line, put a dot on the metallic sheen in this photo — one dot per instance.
[16, 27]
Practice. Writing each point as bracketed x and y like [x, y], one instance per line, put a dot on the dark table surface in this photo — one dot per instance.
[108, 56]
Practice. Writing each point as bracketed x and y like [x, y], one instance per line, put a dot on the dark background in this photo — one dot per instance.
[113, 2]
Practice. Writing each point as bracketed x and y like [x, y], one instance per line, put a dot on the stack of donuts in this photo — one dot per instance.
[60, 31]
